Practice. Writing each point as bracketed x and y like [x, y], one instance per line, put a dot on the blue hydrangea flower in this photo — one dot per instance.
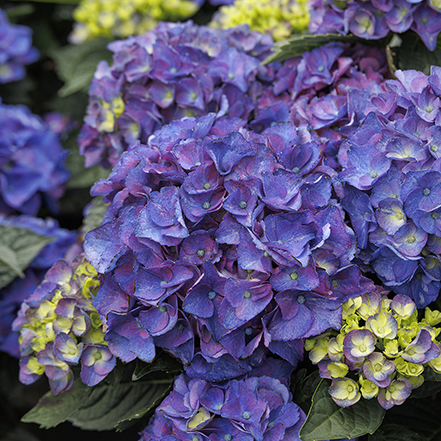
[15, 50]
[255, 407]
[32, 170]
[174, 71]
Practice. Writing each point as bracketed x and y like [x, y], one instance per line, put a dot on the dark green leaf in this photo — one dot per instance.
[431, 385]
[95, 215]
[303, 387]
[326, 420]
[76, 64]
[413, 54]
[106, 407]
[393, 432]
[162, 362]
[53, 410]
[19, 11]
[420, 416]
[18, 248]
[8, 257]
[299, 44]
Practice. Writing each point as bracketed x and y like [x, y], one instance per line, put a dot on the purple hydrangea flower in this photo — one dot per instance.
[15, 50]
[255, 407]
[166, 74]
[32, 169]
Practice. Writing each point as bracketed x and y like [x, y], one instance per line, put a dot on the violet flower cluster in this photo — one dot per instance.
[174, 71]
[32, 170]
[61, 329]
[256, 407]
[390, 169]
[15, 50]
[374, 19]
[12, 295]
[384, 346]
[221, 244]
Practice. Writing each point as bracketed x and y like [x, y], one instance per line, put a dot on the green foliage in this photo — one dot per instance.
[102, 407]
[393, 432]
[326, 420]
[431, 385]
[18, 248]
[95, 215]
[53, 410]
[418, 416]
[303, 387]
[297, 45]
[412, 53]
[162, 362]
[76, 64]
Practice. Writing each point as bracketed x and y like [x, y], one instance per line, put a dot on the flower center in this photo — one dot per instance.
[246, 415]
[294, 276]
[201, 253]
[242, 204]
[246, 294]
[212, 295]
[426, 191]
[301, 299]
[206, 205]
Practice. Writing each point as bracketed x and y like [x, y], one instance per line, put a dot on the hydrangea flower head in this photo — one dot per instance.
[173, 71]
[387, 348]
[280, 19]
[373, 20]
[32, 166]
[199, 253]
[255, 407]
[60, 328]
[15, 50]
[103, 18]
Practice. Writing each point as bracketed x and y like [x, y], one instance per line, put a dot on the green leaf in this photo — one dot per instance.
[162, 362]
[413, 54]
[8, 257]
[394, 432]
[326, 420]
[303, 387]
[106, 407]
[431, 385]
[18, 248]
[297, 45]
[420, 416]
[76, 64]
[53, 410]
[95, 215]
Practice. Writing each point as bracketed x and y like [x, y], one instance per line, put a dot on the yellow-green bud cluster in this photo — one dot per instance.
[381, 350]
[114, 18]
[280, 18]
[58, 322]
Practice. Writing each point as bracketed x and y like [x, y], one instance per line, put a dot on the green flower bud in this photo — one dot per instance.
[391, 349]
[351, 306]
[337, 370]
[320, 350]
[368, 389]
